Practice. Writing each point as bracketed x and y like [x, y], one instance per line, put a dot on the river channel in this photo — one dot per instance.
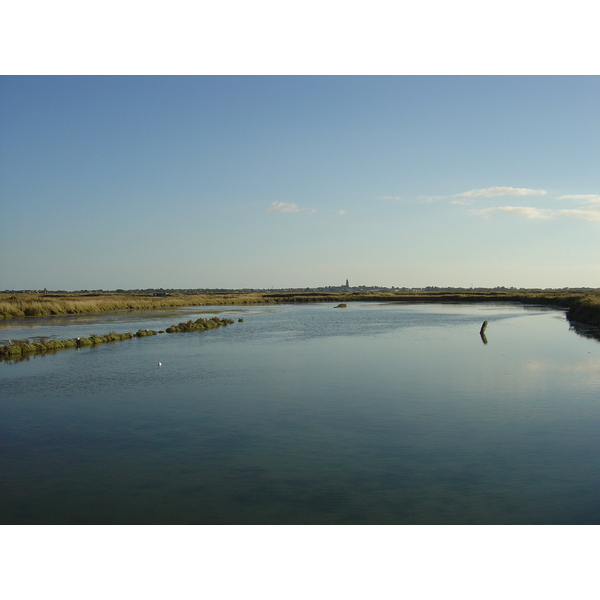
[305, 414]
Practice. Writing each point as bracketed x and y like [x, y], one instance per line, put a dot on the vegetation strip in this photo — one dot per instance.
[199, 325]
[20, 349]
[581, 305]
[51, 304]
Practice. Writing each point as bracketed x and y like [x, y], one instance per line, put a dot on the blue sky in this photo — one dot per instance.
[251, 181]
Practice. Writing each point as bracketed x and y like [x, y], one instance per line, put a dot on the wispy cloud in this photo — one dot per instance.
[526, 212]
[342, 212]
[587, 214]
[390, 197]
[500, 191]
[588, 209]
[591, 213]
[585, 198]
[288, 207]
[467, 197]
[426, 199]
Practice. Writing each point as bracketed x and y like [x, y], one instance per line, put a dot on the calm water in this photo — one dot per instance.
[377, 413]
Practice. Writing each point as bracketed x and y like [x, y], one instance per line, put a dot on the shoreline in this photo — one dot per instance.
[579, 306]
[582, 310]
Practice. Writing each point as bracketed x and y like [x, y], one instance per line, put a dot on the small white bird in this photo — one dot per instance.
[160, 364]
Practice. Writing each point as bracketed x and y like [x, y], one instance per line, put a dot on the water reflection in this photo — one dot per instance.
[19, 358]
[588, 331]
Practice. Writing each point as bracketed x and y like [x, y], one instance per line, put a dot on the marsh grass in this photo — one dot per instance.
[42, 305]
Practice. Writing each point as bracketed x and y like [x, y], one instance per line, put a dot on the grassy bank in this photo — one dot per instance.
[582, 307]
[23, 349]
[562, 299]
[43, 305]
[585, 310]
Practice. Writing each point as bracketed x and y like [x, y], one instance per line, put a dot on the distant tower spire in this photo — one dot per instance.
[347, 284]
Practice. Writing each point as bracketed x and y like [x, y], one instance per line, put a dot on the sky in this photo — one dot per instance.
[201, 181]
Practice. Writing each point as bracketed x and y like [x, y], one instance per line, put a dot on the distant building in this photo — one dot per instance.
[347, 284]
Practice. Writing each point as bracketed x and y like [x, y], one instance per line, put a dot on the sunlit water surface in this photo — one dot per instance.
[376, 413]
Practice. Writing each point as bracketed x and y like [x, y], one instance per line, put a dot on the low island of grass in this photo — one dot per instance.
[22, 349]
[199, 325]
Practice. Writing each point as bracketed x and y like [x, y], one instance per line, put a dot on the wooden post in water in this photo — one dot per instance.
[482, 332]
